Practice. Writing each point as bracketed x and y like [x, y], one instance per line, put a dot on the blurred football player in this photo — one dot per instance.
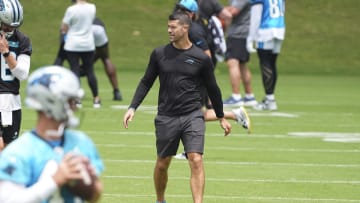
[101, 52]
[15, 49]
[46, 162]
[267, 31]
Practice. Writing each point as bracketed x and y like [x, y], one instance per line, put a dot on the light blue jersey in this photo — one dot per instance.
[23, 161]
[272, 25]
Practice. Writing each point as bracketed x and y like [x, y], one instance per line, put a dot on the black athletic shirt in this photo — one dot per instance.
[199, 36]
[181, 73]
[18, 44]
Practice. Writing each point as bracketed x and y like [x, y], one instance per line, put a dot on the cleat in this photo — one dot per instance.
[243, 118]
[266, 105]
[231, 101]
[97, 103]
[117, 95]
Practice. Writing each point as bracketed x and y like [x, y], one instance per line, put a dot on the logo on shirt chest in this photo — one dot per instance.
[189, 61]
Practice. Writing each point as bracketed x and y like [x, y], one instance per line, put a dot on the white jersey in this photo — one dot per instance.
[267, 20]
[79, 17]
[100, 36]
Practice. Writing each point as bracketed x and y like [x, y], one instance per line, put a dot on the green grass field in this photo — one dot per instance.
[307, 151]
[291, 156]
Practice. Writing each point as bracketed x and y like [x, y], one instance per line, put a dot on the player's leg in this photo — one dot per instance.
[246, 77]
[61, 55]
[239, 115]
[110, 69]
[167, 143]
[193, 138]
[232, 61]
[161, 177]
[87, 61]
[269, 78]
[197, 179]
[11, 132]
[73, 58]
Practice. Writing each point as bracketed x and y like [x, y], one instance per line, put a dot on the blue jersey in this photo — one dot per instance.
[23, 161]
[272, 23]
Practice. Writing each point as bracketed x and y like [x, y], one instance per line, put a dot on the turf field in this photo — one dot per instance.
[307, 151]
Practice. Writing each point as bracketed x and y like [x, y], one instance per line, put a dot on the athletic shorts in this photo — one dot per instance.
[189, 128]
[274, 45]
[102, 52]
[11, 133]
[236, 49]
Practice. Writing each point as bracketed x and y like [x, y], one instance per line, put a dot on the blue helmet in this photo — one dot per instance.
[189, 5]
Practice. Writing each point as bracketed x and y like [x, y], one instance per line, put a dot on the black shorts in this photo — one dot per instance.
[236, 49]
[11, 133]
[190, 129]
[102, 52]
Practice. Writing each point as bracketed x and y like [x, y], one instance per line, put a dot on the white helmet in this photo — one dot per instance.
[49, 90]
[11, 14]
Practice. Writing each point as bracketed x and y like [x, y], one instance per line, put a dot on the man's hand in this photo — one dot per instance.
[226, 126]
[4, 45]
[129, 115]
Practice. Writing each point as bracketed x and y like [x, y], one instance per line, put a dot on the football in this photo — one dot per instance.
[85, 187]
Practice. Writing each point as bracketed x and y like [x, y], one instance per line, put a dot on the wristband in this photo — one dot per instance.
[6, 54]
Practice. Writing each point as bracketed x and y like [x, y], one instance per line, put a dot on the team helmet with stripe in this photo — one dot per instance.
[11, 14]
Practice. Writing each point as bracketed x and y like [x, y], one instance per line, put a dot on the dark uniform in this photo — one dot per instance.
[181, 73]
[208, 8]
[9, 84]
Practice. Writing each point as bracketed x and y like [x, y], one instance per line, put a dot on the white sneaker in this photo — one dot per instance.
[231, 101]
[242, 118]
[96, 103]
[180, 156]
[250, 101]
[266, 105]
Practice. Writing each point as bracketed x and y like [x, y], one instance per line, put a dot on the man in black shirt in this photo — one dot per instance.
[181, 68]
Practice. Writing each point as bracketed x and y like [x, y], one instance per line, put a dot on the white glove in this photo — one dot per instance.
[250, 46]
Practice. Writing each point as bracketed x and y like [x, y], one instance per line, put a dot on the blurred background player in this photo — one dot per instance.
[101, 51]
[267, 31]
[199, 37]
[80, 44]
[236, 54]
[208, 9]
[44, 162]
[15, 49]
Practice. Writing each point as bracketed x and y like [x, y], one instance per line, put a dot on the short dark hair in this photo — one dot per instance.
[181, 16]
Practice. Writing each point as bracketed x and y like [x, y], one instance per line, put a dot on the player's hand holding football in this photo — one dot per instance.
[69, 169]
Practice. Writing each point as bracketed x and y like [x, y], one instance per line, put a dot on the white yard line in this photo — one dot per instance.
[235, 197]
[244, 163]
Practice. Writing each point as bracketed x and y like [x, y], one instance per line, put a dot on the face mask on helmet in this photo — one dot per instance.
[11, 16]
[53, 90]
